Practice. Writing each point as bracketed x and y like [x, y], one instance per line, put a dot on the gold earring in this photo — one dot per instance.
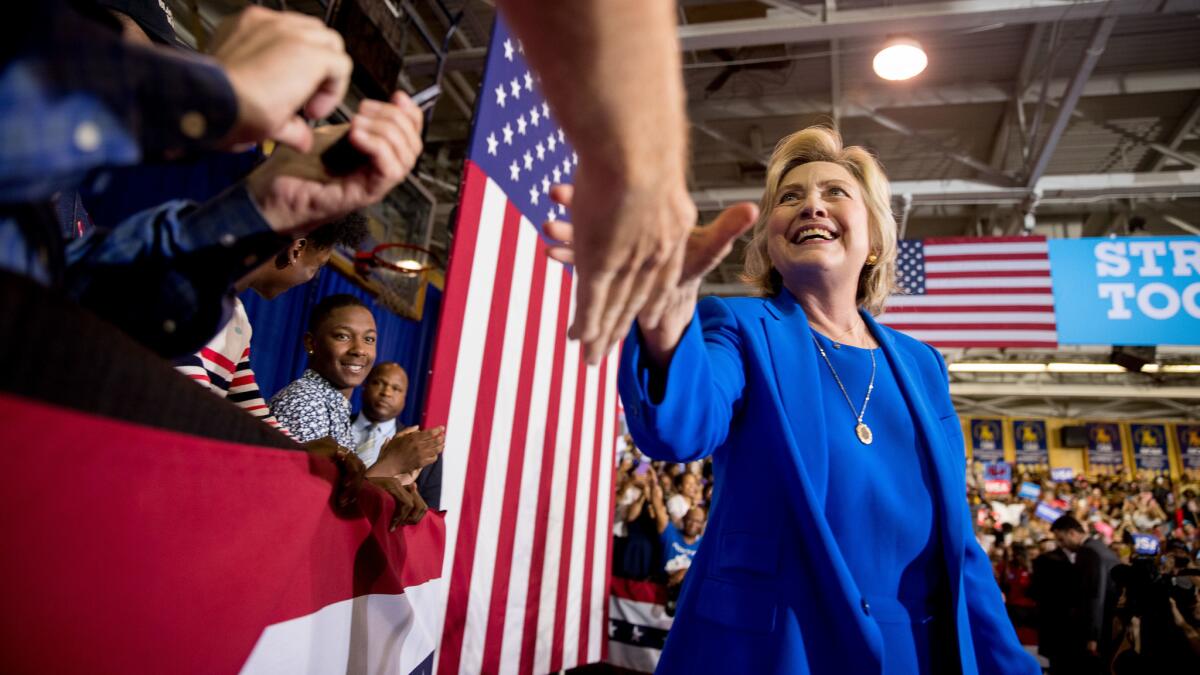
[872, 259]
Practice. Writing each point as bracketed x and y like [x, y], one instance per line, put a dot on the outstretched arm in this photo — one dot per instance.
[658, 509]
[611, 72]
[679, 380]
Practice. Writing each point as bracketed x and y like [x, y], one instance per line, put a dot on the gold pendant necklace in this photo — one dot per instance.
[860, 429]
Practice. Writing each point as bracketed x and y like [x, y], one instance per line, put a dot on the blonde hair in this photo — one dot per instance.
[822, 144]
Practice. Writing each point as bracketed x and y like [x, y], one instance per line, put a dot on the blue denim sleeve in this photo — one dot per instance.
[74, 97]
[166, 275]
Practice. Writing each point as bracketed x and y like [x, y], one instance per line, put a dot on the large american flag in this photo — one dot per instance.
[530, 429]
[974, 292]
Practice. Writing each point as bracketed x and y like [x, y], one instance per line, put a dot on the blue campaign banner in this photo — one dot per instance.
[987, 441]
[1150, 448]
[1047, 513]
[1188, 436]
[1030, 437]
[1062, 474]
[1127, 290]
[1104, 446]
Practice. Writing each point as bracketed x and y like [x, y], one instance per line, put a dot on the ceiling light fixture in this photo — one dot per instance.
[900, 59]
[1067, 367]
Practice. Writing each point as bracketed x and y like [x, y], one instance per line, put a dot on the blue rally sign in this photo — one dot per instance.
[1062, 474]
[1127, 291]
[1047, 513]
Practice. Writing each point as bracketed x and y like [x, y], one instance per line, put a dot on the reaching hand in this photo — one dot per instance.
[629, 246]
[704, 249]
[294, 192]
[409, 451]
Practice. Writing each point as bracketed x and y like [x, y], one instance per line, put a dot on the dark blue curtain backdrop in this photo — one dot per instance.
[277, 352]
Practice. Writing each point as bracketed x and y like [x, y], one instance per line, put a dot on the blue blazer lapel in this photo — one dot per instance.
[948, 496]
[789, 339]
[795, 366]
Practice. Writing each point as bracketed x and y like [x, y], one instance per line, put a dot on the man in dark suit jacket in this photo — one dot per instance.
[1054, 588]
[1094, 563]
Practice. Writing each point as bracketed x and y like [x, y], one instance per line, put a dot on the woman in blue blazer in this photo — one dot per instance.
[839, 540]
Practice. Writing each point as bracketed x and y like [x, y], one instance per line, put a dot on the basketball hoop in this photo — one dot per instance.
[400, 272]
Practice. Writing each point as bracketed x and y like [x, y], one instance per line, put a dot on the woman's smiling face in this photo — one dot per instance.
[819, 223]
[343, 348]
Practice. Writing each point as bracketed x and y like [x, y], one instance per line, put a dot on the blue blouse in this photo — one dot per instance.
[882, 494]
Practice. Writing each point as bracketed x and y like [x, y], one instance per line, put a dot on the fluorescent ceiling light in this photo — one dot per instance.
[1066, 367]
[1084, 368]
[900, 59]
[997, 367]
[1174, 368]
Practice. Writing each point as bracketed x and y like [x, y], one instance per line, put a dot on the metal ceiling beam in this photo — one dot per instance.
[911, 18]
[835, 72]
[1000, 142]
[1055, 189]
[1097, 408]
[740, 148]
[1053, 391]
[459, 59]
[1181, 157]
[1181, 223]
[1189, 120]
[1066, 106]
[1153, 82]
[790, 6]
[973, 405]
[999, 177]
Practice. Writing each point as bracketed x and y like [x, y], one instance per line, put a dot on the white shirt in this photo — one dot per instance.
[677, 508]
[624, 501]
[369, 437]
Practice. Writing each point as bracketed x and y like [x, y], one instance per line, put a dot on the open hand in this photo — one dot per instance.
[703, 250]
[629, 251]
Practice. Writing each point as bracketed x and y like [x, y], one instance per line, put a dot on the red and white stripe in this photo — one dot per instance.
[528, 465]
[980, 292]
[218, 583]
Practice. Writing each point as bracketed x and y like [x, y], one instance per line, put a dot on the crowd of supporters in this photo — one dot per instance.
[1100, 573]
[1127, 609]
[661, 511]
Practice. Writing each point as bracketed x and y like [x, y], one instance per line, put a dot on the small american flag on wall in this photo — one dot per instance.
[974, 292]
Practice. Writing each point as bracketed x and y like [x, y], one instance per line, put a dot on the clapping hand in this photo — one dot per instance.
[409, 451]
